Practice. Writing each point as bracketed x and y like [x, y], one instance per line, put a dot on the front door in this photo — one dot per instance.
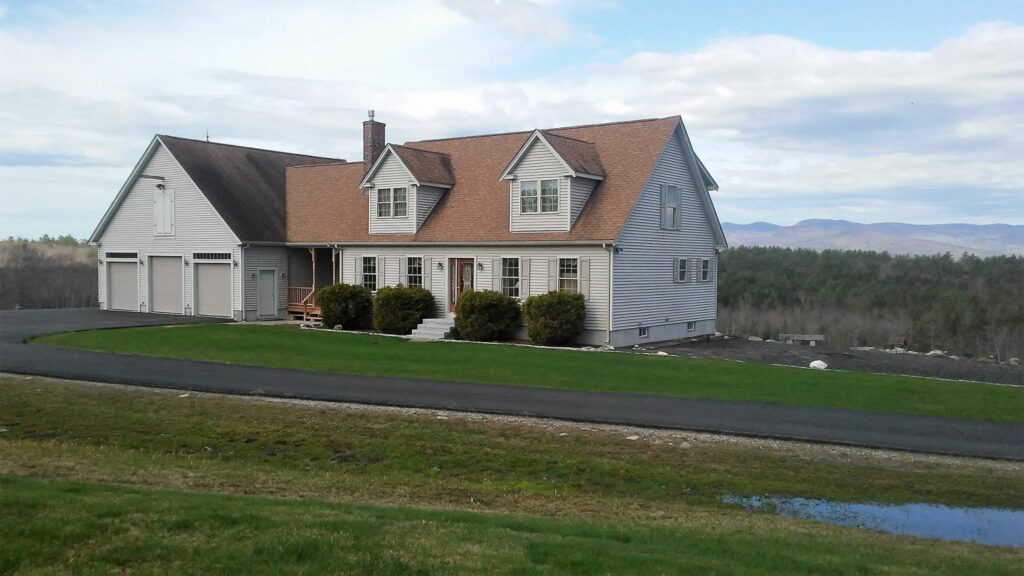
[460, 279]
[266, 294]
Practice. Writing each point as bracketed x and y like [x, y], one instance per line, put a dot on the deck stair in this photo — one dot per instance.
[434, 329]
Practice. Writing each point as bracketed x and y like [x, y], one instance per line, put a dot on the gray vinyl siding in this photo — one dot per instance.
[392, 174]
[596, 322]
[265, 258]
[580, 189]
[644, 291]
[426, 198]
[539, 163]
[197, 228]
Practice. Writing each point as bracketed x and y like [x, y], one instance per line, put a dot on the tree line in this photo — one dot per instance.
[47, 273]
[969, 306]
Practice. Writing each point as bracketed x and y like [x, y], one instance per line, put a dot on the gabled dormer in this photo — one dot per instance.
[404, 185]
[551, 179]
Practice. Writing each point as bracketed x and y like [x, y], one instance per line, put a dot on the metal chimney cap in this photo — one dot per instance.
[370, 114]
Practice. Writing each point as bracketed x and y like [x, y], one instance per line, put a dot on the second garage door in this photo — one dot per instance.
[165, 286]
[213, 290]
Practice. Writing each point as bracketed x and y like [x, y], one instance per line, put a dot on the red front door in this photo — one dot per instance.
[460, 279]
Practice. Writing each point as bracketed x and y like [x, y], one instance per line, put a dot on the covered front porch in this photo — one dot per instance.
[309, 269]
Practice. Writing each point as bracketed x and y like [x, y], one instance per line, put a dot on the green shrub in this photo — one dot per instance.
[399, 309]
[554, 318]
[486, 316]
[346, 305]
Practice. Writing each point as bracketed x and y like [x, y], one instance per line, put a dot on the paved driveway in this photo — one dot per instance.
[901, 432]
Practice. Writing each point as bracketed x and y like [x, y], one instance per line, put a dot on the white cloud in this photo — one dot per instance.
[789, 128]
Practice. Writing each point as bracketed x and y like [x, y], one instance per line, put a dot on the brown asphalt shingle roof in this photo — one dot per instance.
[325, 203]
[581, 156]
[426, 166]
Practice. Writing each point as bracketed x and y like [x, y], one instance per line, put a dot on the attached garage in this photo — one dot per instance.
[213, 289]
[166, 285]
[123, 285]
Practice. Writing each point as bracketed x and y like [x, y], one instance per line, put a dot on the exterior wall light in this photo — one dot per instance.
[440, 265]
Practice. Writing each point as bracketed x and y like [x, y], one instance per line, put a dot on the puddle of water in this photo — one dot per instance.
[991, 526]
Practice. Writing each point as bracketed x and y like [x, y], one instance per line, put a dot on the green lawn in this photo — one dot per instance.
[288, 347]
[108, 479]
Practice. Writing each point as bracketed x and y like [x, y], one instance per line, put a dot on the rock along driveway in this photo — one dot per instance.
[830, 425]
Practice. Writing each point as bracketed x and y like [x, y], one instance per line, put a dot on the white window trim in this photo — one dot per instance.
[558, 273]
[536, 197]
[376, 270]
[540, 194]
[643, 332]
[423, 266]
[664, 203]
[391, 202]
[519, 272]
[691, 326]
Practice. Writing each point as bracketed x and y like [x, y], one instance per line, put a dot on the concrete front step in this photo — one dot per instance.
[433, 329]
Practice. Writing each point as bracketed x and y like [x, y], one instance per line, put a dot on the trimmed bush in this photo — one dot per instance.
[554, 318]
[399, 309]
[347, 305]
[486, 316]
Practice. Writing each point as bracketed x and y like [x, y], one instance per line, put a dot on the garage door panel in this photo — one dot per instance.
[213, 290]
[165, 284]
[123, 286]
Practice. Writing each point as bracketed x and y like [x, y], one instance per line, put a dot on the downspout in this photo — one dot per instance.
[611, 294]
[241, 278]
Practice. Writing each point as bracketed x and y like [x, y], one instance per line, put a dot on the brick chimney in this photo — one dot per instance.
[373, 141]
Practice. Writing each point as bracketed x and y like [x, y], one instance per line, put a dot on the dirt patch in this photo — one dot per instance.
[854, 360]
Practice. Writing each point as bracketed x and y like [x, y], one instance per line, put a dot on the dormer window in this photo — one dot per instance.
[529, 203]
[392, 203]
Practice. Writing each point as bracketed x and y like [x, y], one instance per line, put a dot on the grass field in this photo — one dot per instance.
[111, 479]
[288, 347]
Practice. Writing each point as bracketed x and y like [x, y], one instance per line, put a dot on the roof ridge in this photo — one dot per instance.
[549, 132]
[420, 149]
[638, 120]
[248, 147]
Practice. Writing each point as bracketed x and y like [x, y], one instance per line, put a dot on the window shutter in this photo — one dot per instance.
[664, 206]
[496, 275]
[156, 211]
[169, 213]
[694, 269]
[382, 263]
[675, 270]
[524, 278]
[357, 269]
[403, 270]
[552, 274]
[585, 278]
[427, 266]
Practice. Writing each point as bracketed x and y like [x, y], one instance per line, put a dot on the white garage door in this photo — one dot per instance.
[213, 290]
[165, 287]
[122, 286]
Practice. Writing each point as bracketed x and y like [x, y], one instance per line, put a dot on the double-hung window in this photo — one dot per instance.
[400, 200]
[370, 273]
[682, 269]
[549, 195]
[568, 275]
[414, 271]
[510, 277]
[705, 269]
[671, 199]
[528, 196]
[384, 203]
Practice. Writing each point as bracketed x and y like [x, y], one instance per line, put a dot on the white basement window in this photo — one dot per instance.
[691, 326]
[643, 331]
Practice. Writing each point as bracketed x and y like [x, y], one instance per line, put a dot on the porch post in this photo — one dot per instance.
[334, 265]
[312, 254]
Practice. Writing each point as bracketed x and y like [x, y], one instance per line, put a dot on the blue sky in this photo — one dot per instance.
[867, 111]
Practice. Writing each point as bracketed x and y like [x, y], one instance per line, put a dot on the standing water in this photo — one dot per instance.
[991, 526]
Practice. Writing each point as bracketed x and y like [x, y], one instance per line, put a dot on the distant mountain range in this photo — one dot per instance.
[892, 237]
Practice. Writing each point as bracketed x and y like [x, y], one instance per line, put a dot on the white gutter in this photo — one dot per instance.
[611, 293]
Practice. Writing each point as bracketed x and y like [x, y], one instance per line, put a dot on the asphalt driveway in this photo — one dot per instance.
[894, 431]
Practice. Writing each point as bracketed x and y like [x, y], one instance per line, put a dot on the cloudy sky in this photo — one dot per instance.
[859, 110]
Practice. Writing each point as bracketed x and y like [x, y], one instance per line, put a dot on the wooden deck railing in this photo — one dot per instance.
[302, 299]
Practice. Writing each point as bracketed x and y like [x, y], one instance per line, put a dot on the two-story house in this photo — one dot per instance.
[618, 212]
